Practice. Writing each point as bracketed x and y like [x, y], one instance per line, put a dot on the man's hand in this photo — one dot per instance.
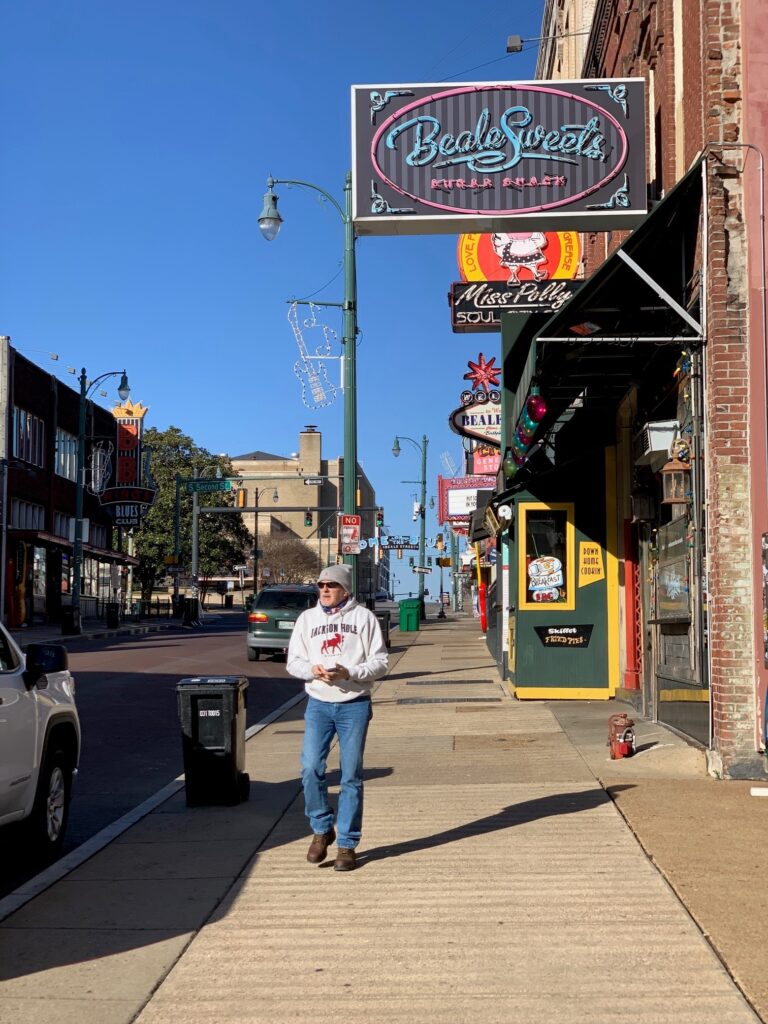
[330, 675]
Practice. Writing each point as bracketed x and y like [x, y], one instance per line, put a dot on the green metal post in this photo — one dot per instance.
[349, 340]
[423, 525]
[77, 553]
[349, 331]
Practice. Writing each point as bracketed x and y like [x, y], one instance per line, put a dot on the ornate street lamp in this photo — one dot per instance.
[422, 448]
[270, 222]
[87, 387]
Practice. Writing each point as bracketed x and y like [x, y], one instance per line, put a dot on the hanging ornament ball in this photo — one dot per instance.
[519, 459]
[536, 408]
[524, 436]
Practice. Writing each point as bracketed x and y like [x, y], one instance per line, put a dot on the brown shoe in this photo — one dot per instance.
[318, 848]
[345, 859]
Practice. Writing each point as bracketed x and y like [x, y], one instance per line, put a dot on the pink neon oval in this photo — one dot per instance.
[504, 212]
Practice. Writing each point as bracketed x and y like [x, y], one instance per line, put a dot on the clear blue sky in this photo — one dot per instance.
[137, 140]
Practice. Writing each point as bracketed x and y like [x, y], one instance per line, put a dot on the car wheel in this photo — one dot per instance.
[48, 821]
[253, 653]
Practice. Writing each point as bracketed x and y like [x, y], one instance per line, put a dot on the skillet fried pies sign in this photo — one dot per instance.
[494, 156]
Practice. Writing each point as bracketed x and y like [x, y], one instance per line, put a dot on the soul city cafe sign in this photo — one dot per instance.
[487, 156]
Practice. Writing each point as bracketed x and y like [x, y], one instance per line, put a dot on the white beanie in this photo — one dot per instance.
[341, 574]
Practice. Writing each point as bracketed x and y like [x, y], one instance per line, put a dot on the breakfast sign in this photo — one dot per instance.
[497, 156]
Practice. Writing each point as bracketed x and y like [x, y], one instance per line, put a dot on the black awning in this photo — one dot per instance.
[477, 530]
[628, 322]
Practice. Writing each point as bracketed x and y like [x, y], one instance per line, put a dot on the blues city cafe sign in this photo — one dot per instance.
[479, 305]
[129, 492]
[494, 156]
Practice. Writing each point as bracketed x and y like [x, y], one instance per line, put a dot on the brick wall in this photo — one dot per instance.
[641, 40]
[728, 373]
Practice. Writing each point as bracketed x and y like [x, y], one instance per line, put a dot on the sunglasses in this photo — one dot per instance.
[333, 586]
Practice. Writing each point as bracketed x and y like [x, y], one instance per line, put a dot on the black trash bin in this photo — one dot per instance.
[190, 615]
[112, 612]
[212, 713]
[70, 621]
[384, 622]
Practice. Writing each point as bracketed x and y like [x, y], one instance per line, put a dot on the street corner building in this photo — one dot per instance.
[39, 436]
[630, 515]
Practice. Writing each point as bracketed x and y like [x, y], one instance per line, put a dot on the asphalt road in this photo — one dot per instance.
[126, 697]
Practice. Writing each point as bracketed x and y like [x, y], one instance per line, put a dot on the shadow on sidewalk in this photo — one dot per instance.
[509, 817]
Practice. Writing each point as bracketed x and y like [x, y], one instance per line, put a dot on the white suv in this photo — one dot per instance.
[39, 740]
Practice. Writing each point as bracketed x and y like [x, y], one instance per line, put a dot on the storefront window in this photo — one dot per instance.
[673, 581]
[546, 557]
[38, 580]
[66, 581]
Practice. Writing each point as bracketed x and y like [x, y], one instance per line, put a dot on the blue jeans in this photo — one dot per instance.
[349, 721]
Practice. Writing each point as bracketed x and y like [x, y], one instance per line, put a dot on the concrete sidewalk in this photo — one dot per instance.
[497, 880]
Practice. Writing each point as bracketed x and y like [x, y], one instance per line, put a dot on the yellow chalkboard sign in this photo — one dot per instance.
[590, 563]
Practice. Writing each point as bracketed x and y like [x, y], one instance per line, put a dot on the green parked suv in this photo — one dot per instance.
[273, 615]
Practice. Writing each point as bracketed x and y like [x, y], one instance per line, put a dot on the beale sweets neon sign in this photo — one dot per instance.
[482, 157]
[492, 150]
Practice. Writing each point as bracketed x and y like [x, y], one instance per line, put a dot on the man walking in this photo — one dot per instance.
[338, 649]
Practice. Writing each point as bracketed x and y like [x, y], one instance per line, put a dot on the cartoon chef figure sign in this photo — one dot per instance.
[545, 578]
[521, 249]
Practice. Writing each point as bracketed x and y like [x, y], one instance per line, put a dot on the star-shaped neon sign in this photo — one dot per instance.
[483, 374]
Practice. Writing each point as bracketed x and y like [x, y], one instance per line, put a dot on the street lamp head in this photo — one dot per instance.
[269, 218]
[124, 391]
[275, 495]
[396, 447]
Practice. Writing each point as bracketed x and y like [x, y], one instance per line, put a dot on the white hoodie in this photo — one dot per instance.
[350, 637]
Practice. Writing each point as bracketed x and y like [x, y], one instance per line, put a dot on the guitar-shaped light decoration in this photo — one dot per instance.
[310, 370]
[100, 467]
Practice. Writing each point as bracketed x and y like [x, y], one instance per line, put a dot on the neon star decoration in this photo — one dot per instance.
[483, 374]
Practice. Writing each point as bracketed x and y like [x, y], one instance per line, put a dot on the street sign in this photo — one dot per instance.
[420, 568]
[349, 534]
[313, 481]
[171, 560]
[397, 546]
[207, 486]
[240, 568]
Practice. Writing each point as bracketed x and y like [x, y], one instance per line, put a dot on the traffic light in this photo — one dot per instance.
[411, 561]
[429, 560]
[399, 552]
[379, 518]
[307, 518]
[439, 544]
[242, 498]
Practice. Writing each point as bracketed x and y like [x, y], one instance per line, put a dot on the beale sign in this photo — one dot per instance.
[494, 156]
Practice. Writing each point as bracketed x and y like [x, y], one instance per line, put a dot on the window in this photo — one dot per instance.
[66, 454]
[26, 516]
[63, 525]
[546, 557]
[8, 659]
[98, 536]
[28, 442]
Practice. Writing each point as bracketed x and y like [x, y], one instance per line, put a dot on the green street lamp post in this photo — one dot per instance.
[87, 388]
[197, 475]
[422, 506]
[257, 494]
[269, 224]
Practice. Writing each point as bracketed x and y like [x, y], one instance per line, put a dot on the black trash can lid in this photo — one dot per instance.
[213, 682]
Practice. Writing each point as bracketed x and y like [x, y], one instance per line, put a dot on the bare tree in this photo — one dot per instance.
[287, 560]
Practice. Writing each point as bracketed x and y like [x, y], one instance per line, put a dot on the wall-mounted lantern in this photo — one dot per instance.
[675, 482]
